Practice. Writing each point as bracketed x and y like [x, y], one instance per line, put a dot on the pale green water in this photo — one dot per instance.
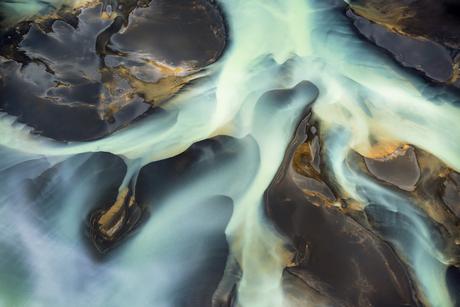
[274, 45]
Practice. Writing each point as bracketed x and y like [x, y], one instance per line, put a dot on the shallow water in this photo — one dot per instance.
[144, 165]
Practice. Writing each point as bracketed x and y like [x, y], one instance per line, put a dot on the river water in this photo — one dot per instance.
[200, 169]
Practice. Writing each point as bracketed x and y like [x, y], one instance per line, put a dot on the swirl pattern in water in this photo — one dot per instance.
[255, 153]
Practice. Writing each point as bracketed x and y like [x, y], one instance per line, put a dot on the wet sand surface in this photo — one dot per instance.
[82, 70]
[334, 255]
